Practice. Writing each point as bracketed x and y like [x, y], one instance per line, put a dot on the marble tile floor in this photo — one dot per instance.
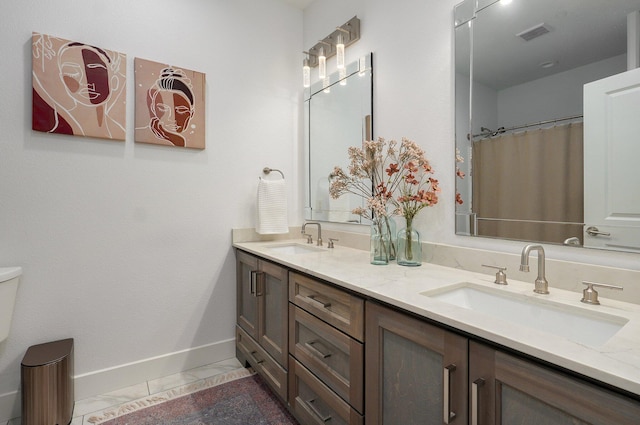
[94, 405]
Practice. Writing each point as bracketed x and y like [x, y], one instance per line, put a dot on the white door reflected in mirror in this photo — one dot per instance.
[611, 152]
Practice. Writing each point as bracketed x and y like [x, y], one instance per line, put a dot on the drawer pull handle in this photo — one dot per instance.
[311, 345]
[260, 282]
[475, 399]
[322, 304]
[255, 359]
[315, 411]
[448, 415]
[252, 286]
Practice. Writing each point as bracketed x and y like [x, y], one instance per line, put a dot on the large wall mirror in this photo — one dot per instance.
[338, 114]
[547, 121]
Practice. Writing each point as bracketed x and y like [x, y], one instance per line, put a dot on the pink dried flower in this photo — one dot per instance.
[389, 170]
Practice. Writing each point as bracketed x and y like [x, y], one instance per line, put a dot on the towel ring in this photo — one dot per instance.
[267, 170]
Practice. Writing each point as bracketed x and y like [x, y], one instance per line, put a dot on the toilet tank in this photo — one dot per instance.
[9, 278]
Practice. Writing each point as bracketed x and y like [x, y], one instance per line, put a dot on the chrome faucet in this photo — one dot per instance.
[542, 286]
[319, 243]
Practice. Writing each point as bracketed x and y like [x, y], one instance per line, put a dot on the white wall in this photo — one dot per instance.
[127, 247]
[412, 43]
[559, 95]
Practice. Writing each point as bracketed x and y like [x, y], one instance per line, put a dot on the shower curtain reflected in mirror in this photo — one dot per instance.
[529, 185]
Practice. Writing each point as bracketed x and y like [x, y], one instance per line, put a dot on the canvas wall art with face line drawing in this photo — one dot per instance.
[78, 89]
[169, 105]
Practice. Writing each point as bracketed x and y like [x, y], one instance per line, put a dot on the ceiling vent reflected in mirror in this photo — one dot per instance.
[535, 32]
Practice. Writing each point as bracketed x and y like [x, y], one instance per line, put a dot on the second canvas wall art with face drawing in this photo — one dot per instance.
[169, 105]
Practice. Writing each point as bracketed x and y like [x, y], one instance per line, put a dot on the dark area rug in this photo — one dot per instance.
[244, 401]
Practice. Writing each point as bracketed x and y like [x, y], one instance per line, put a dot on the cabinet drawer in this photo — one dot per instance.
[314, 403]
[333, 356]
[262, 363]
[334, 306]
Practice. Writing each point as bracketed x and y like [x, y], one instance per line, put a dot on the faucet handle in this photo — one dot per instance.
[309, 237]
[590, 295]
[501, 276]
[331, 241]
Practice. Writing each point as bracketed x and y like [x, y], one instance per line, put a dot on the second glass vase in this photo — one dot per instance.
[409, 252]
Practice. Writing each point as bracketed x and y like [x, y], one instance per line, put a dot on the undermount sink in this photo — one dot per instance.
[294, 248]
[591, 328]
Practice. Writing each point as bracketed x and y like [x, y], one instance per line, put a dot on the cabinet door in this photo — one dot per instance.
[416, 373]
[247, 301]
[505, 390]
[272, 293]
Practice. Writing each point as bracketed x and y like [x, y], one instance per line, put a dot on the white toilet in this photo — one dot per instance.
[9, 277]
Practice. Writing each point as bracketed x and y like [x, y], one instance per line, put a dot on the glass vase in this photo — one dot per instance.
[409, 251]
[380, 243]
[390, 227]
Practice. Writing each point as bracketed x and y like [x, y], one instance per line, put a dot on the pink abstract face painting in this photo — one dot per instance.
[169, 105]
[78, 89]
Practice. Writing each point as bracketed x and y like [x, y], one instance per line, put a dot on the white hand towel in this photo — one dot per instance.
[272, 207]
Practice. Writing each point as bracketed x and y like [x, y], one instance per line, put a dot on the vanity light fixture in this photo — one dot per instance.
[306, 71]
[340, 48]
[322, 64]
[334, 44]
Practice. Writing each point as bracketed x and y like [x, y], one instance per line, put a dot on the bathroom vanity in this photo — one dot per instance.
[421, 355]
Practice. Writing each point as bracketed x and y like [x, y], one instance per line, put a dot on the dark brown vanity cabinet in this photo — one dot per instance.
[311, 343]
[326, 329]
[505, 389]
[262, 318]
[416, 373]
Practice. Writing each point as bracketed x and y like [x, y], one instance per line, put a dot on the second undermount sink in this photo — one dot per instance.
[294, 248]
[591, 328]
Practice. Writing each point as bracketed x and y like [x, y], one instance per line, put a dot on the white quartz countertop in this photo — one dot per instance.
[616, 362]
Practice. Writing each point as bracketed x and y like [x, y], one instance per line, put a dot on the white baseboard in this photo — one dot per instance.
[9, 406]
[113, 378]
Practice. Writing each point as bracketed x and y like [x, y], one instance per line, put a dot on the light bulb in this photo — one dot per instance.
[322, 64]
[325, 85]
[340, 52]
[306, 73]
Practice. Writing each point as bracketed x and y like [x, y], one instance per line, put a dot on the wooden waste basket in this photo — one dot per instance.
[47, 383]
